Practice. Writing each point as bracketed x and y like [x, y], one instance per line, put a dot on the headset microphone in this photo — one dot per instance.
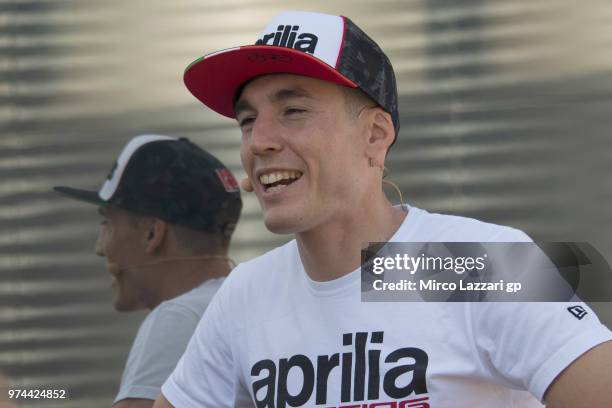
[246, 184]
[114, 268]
[117, 270]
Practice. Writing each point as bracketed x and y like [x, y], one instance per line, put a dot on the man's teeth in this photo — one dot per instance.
[276, 176]
[275, 188]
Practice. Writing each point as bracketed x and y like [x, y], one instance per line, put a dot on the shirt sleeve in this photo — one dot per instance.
[526, 345]
[160, 342]
[207, 375]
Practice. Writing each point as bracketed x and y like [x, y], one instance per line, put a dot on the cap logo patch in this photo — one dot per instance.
[229, 182]
[286, 36]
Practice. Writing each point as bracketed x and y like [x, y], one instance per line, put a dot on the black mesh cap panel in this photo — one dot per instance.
[363, 62]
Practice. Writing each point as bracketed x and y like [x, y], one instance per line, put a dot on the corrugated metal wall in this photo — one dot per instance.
[505, 116]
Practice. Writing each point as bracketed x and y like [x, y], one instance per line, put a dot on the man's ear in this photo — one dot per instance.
[155, 235]
[381, 134]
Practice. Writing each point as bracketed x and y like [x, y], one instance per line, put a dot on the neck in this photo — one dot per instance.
[333, 249]
[179, 275]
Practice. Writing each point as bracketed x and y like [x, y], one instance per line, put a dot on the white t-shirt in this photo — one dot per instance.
[161, 340]
[272, 337]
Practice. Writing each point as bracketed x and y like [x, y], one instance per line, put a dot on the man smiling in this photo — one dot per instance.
[316, 102]
[168, 211]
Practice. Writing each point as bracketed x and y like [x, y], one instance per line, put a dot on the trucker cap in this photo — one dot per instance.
[171, 179]
[323, 46]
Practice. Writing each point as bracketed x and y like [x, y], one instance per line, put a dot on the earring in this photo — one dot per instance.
[374, 164]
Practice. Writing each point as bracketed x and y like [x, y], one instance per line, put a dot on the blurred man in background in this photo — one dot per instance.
[168, 212]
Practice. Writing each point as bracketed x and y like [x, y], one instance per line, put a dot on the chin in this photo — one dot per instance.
[283, 223]
[280, 227]
[121, 304]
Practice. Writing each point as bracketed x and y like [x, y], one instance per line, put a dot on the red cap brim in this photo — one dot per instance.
[214, 79]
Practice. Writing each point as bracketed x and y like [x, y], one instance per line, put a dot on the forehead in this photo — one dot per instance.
[110, 211]
[269, 87]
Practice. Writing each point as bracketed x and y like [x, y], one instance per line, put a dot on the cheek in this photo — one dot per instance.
[115, 243]
[340, 168]
[102, 240]
[245, 157]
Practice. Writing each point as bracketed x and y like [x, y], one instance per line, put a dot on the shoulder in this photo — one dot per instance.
[160, 342]
[165, 329]
[445, 227]
[252, 286]
[265, 269]
[169, 316]
[193, 302]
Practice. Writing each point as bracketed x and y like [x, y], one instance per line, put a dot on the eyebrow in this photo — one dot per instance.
[242, 105]
[297, 92]
[278, 96]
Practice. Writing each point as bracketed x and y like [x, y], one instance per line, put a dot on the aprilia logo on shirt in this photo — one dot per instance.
[287, 36]
[359, 368]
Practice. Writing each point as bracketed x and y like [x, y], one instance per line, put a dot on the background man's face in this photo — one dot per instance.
[120, 242]
[299, 128]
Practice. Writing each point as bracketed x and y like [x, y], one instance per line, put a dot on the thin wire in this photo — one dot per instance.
[395, 187]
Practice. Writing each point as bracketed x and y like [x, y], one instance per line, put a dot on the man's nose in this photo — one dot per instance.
[99, 247]
[266, 135]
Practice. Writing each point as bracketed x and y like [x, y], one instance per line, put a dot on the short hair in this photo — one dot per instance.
[355, 100]
[193, 241]
[198, 242]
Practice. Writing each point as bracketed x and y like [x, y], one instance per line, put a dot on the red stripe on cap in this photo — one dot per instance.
[341, 42]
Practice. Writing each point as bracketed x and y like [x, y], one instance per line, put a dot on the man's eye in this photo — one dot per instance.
[103, 222]
[246, 121]
[294, 111]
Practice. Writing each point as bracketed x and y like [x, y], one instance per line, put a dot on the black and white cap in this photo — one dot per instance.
[172, 179]
[323, 46]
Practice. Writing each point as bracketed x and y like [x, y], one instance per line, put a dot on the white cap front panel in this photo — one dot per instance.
[112, 182]
[315, 33]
